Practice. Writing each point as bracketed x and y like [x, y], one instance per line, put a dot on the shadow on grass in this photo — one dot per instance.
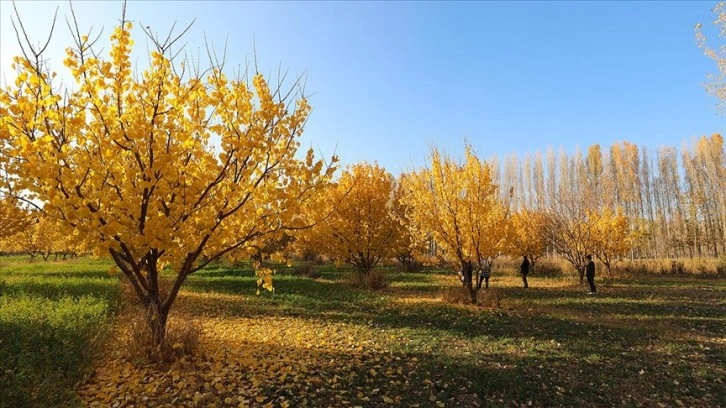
[333, 302]
[553, 346]
[55, 289]
[56, 355]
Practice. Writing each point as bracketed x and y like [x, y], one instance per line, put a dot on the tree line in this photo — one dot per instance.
[674, 200]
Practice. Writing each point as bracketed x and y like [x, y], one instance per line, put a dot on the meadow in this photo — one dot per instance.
[642, 341]
[54, 321]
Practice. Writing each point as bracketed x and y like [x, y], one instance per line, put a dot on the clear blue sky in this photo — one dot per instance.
[389, 79]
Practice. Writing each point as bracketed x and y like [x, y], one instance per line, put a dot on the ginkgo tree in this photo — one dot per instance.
[42, 237]
[413, 239]
[173, 167]
[611, 237]
[527, 235]
[459, 204]
[360, 229]
[13, 218]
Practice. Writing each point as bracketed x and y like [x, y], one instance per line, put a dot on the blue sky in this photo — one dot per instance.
[389, 79]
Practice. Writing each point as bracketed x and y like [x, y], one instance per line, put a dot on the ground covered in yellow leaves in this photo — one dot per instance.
[321, 343]
[245, 361]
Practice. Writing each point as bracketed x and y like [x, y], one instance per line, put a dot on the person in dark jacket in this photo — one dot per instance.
[485, 274]
[524, 270]
[590, 274]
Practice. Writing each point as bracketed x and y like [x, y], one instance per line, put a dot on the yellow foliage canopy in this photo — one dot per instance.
[132, 163]
[458, 204]
[527, 234]
[361, 229]
[13, 218]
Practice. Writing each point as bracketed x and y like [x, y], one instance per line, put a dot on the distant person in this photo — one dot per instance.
[485, 274]
[524, 270]
[590, 274]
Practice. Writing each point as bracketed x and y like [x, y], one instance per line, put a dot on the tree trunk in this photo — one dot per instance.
[472, 294]
[467, 270]
[156, 319]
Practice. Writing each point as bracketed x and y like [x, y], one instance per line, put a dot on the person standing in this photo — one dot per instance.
[590, 274]
[524, 270]
[485, 274]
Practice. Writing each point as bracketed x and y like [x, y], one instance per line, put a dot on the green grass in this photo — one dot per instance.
[52, 319]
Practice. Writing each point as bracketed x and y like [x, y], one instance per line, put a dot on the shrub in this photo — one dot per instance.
[375, 280]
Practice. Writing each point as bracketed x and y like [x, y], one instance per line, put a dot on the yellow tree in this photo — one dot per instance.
[413, 239]
[13, 218]
[610, 238]
[361, 229]
[42, 237]
[527, 235]
[458, 204]
[170, 168]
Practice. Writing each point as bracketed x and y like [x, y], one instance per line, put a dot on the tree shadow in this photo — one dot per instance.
[75, 288]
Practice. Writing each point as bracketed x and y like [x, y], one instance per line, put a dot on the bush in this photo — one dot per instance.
[375, 280]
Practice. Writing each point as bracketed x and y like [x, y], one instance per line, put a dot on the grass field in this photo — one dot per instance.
[657, 341]
[52, 319]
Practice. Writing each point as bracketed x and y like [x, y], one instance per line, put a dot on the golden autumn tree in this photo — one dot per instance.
[413, 239]
[173, 167]
[610, 238]
[458, 204]
[527, 235]
[42, 237]
[13, 218]
[361, 229]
